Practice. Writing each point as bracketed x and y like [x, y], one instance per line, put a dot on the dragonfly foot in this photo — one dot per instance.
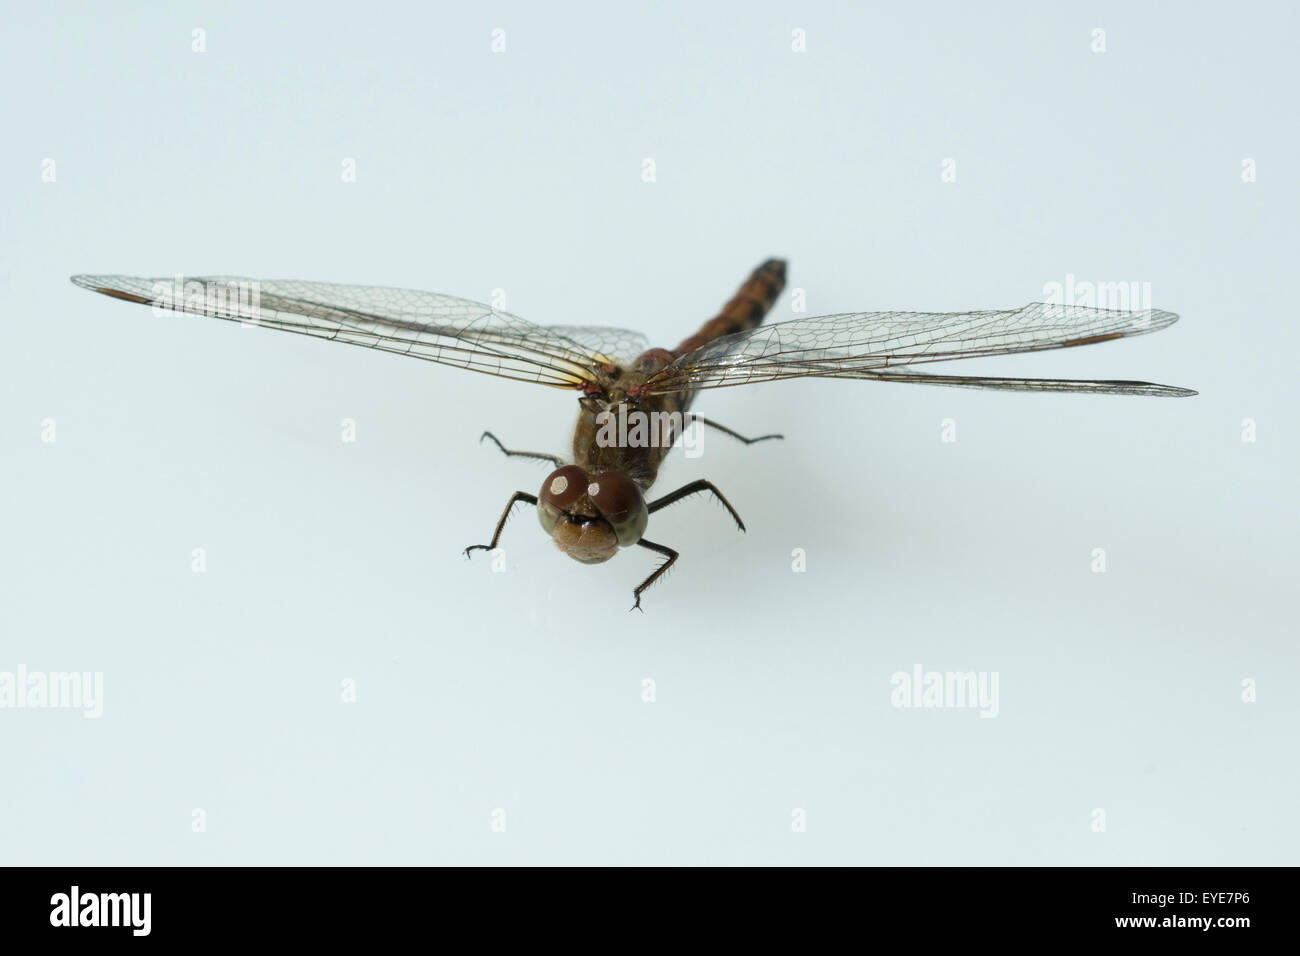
[505, 516]
[736, 435]
[694, 488]
[542, 456]
[668, 553]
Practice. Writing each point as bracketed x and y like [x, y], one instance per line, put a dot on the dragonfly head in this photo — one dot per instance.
[591, 516]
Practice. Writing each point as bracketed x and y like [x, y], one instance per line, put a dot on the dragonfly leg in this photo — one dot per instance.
[505, 516]
[693, 488]
[555, 459]
[667, 552]
[727, 431]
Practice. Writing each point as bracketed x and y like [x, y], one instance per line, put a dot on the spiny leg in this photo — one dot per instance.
[727, 431]
[505, 516]
[667, 552]
[693, 488]
[554, 459]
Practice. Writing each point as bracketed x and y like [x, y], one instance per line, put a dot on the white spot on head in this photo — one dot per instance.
[593, 489]
[558, 484]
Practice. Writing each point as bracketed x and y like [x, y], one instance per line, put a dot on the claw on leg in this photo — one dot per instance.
[554, 459]
[505, 516]
[667, 552]
[727, 431]
[693, 488]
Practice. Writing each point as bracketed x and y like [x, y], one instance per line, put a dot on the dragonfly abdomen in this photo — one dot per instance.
[746, 308]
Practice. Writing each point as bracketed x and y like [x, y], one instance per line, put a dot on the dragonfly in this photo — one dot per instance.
[596, 503]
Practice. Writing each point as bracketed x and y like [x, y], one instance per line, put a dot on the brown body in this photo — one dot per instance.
[745, 310]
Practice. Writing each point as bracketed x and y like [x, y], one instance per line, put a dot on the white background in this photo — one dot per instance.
[522, 691]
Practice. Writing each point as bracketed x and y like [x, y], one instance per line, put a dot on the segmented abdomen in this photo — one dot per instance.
[745, 310]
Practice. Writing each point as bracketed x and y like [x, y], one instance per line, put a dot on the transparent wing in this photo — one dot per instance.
[1104, 387]
[620, 346]
[867, 345]
[425, 325]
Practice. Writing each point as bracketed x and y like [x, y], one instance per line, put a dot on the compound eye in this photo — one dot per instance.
[619, 502]
[563, 487]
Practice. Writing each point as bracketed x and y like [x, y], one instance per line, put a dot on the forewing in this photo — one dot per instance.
[424, 325]
[865, 344]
